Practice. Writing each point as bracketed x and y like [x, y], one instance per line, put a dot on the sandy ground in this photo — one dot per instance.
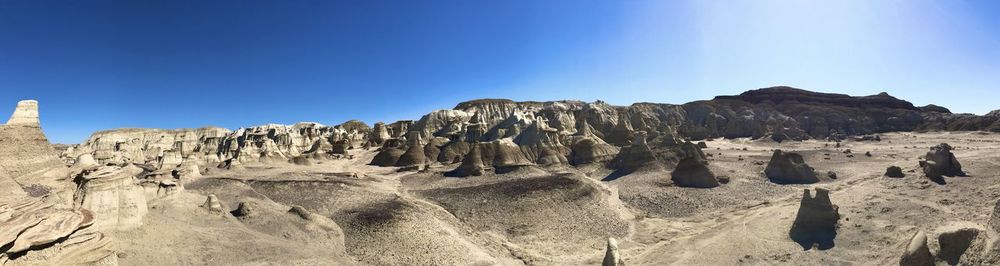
[563, 216]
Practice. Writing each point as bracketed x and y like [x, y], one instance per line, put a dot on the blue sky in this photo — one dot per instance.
[170, 64]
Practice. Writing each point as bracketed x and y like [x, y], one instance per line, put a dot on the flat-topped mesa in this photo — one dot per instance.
[781, 94]
[25, 114]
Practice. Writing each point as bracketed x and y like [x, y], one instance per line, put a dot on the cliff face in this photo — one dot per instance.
[547, 132]
[25, 151]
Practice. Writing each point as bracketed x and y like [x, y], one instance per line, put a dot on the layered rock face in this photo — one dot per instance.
[113, 195]
[52, 230]
[25, 151]
[168, 149]
[31, 225]
[816, 222]
[544, 133]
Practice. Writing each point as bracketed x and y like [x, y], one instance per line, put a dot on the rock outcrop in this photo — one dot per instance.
[472, 164]
[64, 233]
[940, 162]
[25, 114]
[954, 240]
[789, 168]
[692, 169]
[414, 156]
[816, 221]
[917, 253]
[25, 153]
[112, 194]
[635, 156]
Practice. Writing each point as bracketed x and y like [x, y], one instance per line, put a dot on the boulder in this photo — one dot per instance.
[388, 156]
[917, 253]
[894, 171]
[789, 168]
[692, 169]
[816, 221]
[85, 161]
[954, 240]
[611, 256]
[941, 162]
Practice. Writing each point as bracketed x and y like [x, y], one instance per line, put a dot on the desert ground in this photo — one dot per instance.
[564, 216]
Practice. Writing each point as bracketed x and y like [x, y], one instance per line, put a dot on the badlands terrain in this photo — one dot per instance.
[775, 176]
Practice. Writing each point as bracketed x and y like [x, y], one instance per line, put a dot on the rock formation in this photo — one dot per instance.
[114, 197]
[63, 232]
[816, 221]
[26, 153]
[587, 147]
[212, 204]
[635, 156]
[941, 162]
[472, 164]
[692, 169]
[26, 113]
[954, 240]
[611, 257]
[917, 253]
[789, 168]
[894, 171]
[414, 155]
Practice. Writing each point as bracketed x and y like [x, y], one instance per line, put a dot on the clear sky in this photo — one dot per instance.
[169, 64]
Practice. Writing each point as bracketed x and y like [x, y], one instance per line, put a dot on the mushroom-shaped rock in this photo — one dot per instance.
[941, 162]
[212, 204]
[113, 196]
[816, 221]
[917, 253]
[789, 168]
[611, 257]
[894, 171]
[85, 161]
[692, 170]
[954, 240]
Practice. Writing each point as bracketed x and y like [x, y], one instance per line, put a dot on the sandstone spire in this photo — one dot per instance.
[26, 113]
